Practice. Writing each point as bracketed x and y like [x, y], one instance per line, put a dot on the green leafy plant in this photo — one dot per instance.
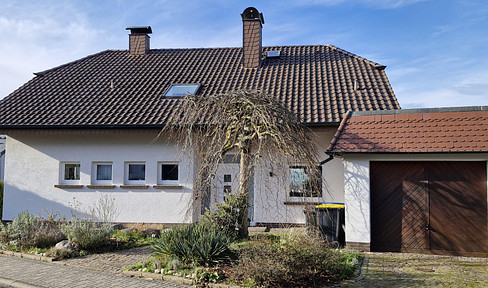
[194, 244]
[206, 275]
[226, 215]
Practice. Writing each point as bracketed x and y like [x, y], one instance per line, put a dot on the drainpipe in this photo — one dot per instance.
[327, 160]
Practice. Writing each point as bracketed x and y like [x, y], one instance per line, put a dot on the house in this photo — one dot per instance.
[416, 180]
[89, 128]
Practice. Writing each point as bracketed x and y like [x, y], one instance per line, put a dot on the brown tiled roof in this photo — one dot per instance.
[113, 89]
[458, 129]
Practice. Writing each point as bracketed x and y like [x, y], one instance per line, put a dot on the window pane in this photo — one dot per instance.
[305, 184]
[182, 89]
[71, 171]
[104, 172]
[169, 172]
[137, 172]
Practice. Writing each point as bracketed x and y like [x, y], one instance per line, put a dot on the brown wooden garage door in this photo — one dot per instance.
[429, 207]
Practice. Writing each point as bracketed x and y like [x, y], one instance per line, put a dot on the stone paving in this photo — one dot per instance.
[18, 272]
[419, 270]
[113, 262]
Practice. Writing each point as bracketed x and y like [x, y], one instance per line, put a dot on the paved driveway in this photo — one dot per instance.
[418, 270]
[26, 273]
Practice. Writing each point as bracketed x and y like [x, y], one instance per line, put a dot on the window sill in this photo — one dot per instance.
[69, 186]
[100, 186]
[167, 187]
[302, 203]
[134, 186]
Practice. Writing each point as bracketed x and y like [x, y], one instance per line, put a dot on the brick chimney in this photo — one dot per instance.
[139, 40]
[252, 49]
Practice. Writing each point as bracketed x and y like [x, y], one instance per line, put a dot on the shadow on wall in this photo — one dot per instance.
[357, 198]
[26, 200]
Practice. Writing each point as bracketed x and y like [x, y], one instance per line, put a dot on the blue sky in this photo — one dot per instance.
[436, 51]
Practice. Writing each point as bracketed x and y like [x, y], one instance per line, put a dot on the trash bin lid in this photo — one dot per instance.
[330, 205]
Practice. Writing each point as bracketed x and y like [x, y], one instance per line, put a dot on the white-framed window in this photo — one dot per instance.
[69, 172]
[102, 173]
[305, 183]
[168, 173]
[135, 173]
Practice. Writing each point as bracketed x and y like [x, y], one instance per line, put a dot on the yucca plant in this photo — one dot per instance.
[194, 244]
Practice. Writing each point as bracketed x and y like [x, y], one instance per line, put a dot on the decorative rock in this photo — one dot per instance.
[129, 230]
[65, 245]
[144, 270]
[157, 271]
[117, 227]
[149, 232]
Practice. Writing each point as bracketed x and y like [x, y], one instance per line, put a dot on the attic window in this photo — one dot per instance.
[179, 90]
[273, 54]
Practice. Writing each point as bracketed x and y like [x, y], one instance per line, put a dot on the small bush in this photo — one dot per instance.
[292, 261]
[226, 215]
[87, 234]
[27, 230]
[194, 244]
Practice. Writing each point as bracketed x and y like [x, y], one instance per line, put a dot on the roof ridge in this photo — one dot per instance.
[421, 110]
[42, 73]
[375, 64]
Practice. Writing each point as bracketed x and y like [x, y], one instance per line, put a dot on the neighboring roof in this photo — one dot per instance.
[452, 130]
[113, 89]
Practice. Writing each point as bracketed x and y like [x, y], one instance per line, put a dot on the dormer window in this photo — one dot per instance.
[180, 90]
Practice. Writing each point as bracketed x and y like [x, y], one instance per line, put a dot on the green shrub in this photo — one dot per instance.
[226, 215]
[87, 234]
[27, 230]
[292, 261]
[194, 244]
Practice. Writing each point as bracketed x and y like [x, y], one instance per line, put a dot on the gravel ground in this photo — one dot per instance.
[419, 270]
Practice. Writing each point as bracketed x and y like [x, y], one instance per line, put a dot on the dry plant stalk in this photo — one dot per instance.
[255, 125]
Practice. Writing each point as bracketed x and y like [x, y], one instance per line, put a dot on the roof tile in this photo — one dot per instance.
[112, 88]
[453, 130]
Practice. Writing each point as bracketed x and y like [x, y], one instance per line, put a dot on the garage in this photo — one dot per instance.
[415, 180]
[429, 206]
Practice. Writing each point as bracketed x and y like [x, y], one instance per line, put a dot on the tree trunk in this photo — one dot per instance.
[244, 180]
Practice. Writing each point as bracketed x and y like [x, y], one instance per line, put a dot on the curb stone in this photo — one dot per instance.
[174, 279]
[28, 256]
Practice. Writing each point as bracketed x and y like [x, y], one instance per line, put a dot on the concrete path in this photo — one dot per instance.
[16, 272]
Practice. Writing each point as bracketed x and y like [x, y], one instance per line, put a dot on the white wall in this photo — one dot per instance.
[33, 162]
[357, 187]
[271, 194]
[33, 165]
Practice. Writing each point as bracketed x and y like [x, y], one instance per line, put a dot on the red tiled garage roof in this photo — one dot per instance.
[114, 89]
[461, 129]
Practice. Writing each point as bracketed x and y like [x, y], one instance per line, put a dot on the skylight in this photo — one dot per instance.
[273, 54]
[180, 90]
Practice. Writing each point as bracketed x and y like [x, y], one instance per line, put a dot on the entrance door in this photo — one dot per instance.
[430, 206]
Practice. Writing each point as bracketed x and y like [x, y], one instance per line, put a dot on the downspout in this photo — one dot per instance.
[326, 160]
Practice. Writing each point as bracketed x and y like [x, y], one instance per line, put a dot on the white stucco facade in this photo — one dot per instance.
[357, 187]
[34, 180]
[34, 163]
